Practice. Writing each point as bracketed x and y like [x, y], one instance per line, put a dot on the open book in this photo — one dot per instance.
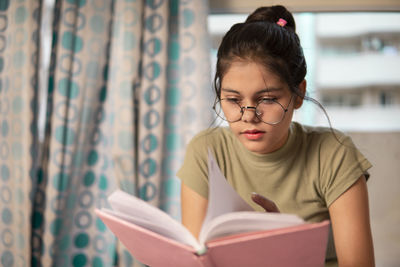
[233, 234]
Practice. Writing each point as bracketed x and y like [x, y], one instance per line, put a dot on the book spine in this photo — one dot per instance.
[206, 261]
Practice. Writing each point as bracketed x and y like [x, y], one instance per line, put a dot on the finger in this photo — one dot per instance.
[264, 202]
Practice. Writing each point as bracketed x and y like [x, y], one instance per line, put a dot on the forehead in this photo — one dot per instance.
[244, 76]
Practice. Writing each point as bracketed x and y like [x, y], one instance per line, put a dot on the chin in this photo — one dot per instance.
[255, 147]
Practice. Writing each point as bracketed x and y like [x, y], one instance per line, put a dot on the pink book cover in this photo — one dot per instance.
[150, 248]
[302, 245]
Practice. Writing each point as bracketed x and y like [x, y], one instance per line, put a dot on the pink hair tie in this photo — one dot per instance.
[281, 22]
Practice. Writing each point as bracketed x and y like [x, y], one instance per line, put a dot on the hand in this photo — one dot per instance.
[264, 202]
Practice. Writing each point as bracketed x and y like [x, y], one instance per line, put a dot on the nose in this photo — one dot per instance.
[249, 116]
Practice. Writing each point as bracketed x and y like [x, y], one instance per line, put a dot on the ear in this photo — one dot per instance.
[302, 90]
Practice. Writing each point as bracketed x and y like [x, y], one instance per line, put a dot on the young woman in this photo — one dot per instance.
[314, 172]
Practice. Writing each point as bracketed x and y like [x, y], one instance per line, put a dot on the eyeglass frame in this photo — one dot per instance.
[255, 110]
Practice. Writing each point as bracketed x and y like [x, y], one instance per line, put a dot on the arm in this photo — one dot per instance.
[351, 226]
[194, 208]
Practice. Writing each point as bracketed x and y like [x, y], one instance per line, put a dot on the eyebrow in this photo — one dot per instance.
[262, 91]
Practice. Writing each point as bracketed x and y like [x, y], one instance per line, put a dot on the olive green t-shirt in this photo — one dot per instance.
[304, 177]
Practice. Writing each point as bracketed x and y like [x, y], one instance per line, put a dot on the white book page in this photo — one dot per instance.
[247, 221]
[222, 198]
[139, 212]
[177, 234]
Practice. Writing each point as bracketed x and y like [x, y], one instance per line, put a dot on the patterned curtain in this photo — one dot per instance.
[128, 86]
[19, 43]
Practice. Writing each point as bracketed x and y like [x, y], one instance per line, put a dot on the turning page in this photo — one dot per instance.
[222, 198]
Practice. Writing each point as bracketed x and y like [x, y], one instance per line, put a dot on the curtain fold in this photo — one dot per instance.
[19, 53]
[128, 86]
[75, 165]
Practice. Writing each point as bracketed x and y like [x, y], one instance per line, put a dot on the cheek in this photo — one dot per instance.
[234, 127]
[237, 128]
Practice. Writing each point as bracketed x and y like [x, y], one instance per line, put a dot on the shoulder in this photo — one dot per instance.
[321, 137]
[335, 157]
[326, 147]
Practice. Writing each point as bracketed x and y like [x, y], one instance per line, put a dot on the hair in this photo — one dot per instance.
[260, 39]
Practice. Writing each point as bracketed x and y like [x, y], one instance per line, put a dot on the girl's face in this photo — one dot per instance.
[248, 83]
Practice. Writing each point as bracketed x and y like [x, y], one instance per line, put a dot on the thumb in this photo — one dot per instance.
[268, 205]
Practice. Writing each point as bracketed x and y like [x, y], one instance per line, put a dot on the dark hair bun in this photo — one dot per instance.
[272, 14]
[260, 39]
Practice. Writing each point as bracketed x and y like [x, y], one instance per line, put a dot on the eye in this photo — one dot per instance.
[233, 100]
[268, 100]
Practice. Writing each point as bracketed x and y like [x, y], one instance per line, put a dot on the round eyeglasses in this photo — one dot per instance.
[268, 110]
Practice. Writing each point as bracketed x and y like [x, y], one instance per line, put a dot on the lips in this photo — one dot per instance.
[253, 134]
